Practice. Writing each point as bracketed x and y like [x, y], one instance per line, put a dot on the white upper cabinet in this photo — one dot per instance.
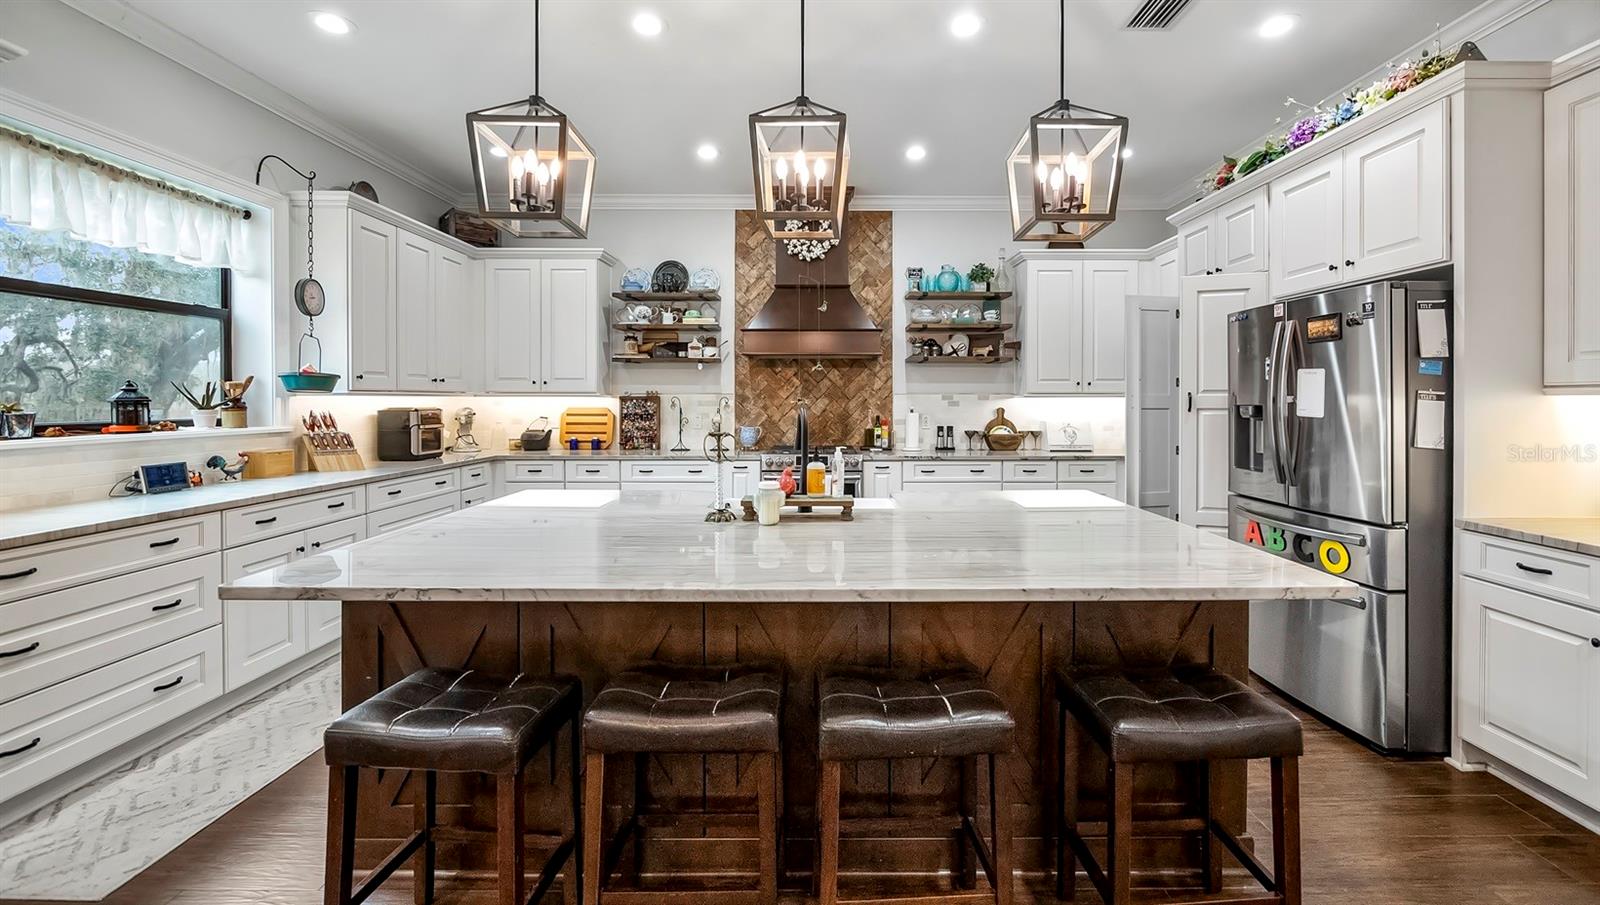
[1572, 233]
[545, 325]
[453, 318]
[571, 322]
[1159, 275]
[413, 295]
[1394, 197]
[1308, 227]
[371, 291]
[1239, 243]
[1106, 287]
[1194, 247]
[1052, 318]
[511, 326]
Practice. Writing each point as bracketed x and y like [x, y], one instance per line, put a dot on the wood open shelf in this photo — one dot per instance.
[651, 360]
[641, 328]
[958, 296]
[980, 327]
[702, 295]
[960, 359]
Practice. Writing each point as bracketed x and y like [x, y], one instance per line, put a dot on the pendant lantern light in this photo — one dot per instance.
[532, 171]
[801, 158]
[1065, 172]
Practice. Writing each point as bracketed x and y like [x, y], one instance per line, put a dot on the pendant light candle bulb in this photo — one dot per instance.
[1056, 179]
[541, 174]
[555, 168]
[818, 169]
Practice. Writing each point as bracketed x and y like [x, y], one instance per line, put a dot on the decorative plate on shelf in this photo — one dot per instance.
[958, 346]
[637, 279]
[670, 276]
[705, 280]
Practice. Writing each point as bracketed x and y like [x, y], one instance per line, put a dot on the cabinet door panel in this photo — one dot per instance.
[1194, 247]
[1530, 685]
[1394, 208]
[413, 303]
[260, 635]
[1572, 233]
[1307, 228]
[1106, 287]
[372, 303]
[1053, 321]
[570, 327]
[511, 322]
[323, 617]
[1203, 356]
[452, 321]
[1241, 234]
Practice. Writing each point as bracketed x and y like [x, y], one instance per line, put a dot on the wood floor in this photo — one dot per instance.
[1377, 831]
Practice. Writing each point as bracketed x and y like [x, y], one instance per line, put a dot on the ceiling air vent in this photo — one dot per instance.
[1157, 14]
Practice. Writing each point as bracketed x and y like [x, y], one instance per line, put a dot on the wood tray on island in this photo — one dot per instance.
[845, 505]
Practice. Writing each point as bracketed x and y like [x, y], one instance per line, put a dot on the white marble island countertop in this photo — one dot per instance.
[606, 545]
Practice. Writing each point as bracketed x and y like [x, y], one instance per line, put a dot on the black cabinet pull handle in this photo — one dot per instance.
[165, 606]
[975, 470]
[299, 549]
[395, 492]
[21, 650]
[1594, 642]
[1188, 404]
[1333, 266]
[172, 684]
[1534, 569]
[162, 543]
[335, 505]
[925, 470]
[28, 747]
[1349, 263]
[591, 471]
[1030, 471]
[441, 483]
[316, 545]
[23, 574]
[647, 471]
[697, 471]
[266, 521]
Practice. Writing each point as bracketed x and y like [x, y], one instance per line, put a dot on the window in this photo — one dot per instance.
[77, 319]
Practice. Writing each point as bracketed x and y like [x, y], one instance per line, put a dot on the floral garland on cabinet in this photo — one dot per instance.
[1319, 122]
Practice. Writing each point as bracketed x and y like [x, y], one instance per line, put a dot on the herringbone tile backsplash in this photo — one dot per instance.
[845, 394]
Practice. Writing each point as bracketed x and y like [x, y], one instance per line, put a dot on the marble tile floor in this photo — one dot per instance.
[1377, 831]
[86, 845]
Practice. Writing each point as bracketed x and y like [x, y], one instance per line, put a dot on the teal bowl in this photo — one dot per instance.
[297, 382]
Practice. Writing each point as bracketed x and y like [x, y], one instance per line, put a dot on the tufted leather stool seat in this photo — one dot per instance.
[1190, 715]
[452, 720]
[878, 715]
[1183, 715]
[687, 709]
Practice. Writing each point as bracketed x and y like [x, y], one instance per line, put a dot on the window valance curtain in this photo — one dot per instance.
[45, 187]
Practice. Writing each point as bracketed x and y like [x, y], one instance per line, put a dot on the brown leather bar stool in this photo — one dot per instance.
[450, 721]
[1188, 715]
[875, 714]
[661, 708]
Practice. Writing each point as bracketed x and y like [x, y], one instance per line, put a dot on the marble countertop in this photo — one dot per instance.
[609, 545]
[1575, 535]
[988, 455]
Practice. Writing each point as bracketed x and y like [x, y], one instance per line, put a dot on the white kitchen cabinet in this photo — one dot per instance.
[1230, 239]
[741, 479]
[454, 322]
[261, 635]
[1572, 233]
[512, 353]
[415, 512]
[323, 616]
[370, 288]
[881, 479]
[1529, 685]
[1394, 197]
[1194, 246]
[1203, 419]
[413, 307]
[545, 326]
[1104, 355]
[1160, 274]
[1307, 227]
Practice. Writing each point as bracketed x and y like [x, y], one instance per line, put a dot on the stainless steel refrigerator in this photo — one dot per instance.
[1339, 447]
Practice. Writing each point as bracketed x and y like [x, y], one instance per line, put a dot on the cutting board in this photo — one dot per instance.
[585, 424]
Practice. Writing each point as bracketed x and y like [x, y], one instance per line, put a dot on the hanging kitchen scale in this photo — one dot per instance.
[309, 300]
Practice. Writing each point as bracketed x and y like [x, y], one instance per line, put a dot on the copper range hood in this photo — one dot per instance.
[812, 313]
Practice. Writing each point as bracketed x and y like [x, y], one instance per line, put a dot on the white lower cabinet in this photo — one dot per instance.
[741, 479]
[882, 479]
[407, 514]
[1529, 685]
[323, 616]
[262, 635]
[49, 732]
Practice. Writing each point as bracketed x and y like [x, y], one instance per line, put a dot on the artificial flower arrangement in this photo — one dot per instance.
[1404, 77]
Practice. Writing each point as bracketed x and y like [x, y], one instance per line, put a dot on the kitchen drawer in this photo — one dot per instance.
[1030, 472]
[56, 729]
[948, 486]
[474, 496]
[253, 523]
[27, 571]
[408, 514]
[1082, 472]
[474, 475]
[694, 472]
[52, 637]
[393, 492]
[920, 472]
[1557, 574]
[533, 472]
[591, 472]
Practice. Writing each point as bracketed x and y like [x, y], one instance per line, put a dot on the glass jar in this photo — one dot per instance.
[768, 502]
[816, 479]
[948, 280]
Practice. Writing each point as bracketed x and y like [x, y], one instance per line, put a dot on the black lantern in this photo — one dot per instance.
[130, 409]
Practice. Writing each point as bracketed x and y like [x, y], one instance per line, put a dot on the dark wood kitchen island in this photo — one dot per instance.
[587, 581]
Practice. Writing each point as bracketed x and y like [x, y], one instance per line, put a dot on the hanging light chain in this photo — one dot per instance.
[802, 48]
[1062, 16]
[536, 48]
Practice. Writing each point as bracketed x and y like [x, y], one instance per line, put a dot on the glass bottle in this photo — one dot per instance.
[1002, 274]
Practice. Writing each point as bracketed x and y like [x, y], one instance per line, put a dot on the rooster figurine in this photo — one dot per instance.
[230, 470]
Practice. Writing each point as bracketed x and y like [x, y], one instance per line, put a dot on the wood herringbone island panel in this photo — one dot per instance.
[845, 394]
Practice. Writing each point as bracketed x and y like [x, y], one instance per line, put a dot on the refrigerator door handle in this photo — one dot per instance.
[1272, 402]
[1294, 357]
[1356, 540]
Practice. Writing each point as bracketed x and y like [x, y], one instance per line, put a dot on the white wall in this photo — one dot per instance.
[86, 70]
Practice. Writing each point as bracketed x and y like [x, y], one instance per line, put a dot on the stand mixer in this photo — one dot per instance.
[465, 442]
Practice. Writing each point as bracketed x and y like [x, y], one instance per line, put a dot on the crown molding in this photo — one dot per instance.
[740, 201]
[10, 51]
[1578, 62]
[186, 52]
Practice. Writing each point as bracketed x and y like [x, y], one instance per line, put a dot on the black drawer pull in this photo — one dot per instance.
[165, 606]
[266, 521]
[1030, 471]
[697, 471]
[441, 483]
[396, 492]
[1594, 642]
[591, 471]
[23, 574]
[476, 474]
[926, 470]
[299, 549]
[1086, 471]
[647, 471]
[335, 505]
[975, 470]
[21, 650]
[28, 747]
[172, 684]
[1534, 569]
[156, 544]
[316, 545]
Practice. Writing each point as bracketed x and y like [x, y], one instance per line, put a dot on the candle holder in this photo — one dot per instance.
[718, 449]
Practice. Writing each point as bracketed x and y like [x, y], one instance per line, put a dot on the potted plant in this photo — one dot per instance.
[203, 407]
[981, 274]
[15, 423]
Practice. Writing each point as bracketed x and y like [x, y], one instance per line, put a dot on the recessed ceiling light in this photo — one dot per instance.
[965, 25]
[1277, 26]
[707, 151]
[333, 23]
[916, 153]
[1126, 153]
[648, 24]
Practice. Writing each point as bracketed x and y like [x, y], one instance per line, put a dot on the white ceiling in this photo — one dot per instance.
[405, 78]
